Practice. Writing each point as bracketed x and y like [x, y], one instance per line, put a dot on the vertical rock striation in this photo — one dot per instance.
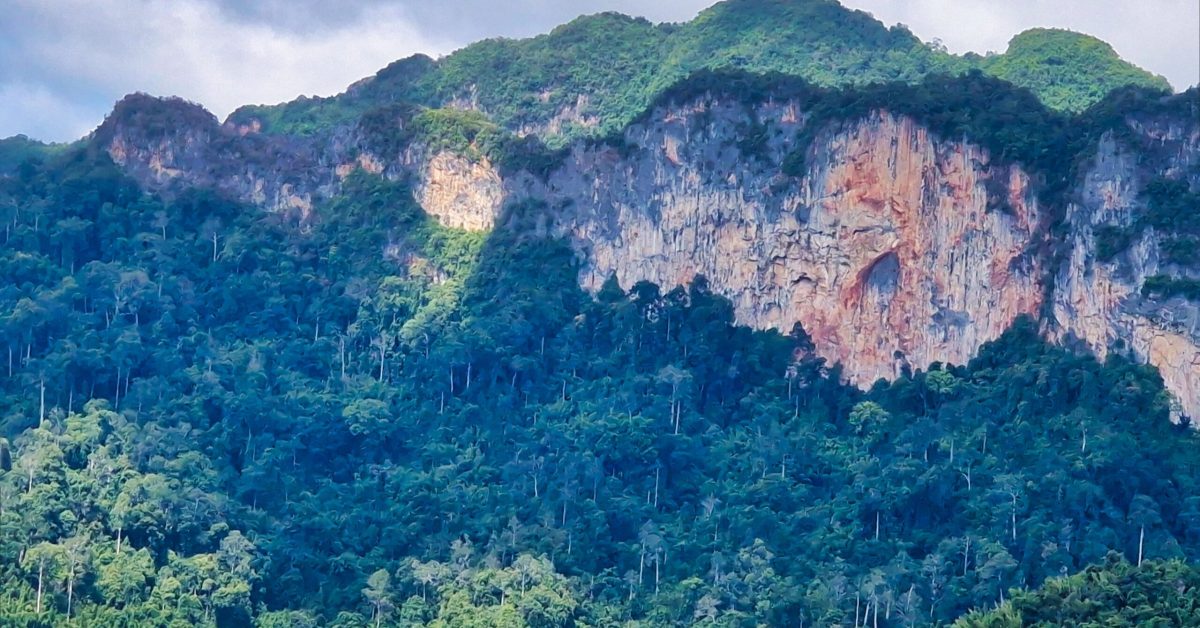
[891, 246]
[1099, 302]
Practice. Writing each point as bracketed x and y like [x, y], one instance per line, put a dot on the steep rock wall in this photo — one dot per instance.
[892, 248]
[169, 145]
[1099, 302]
[459, 192]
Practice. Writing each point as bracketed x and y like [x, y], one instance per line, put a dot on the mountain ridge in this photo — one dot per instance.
[527, 84]
[466, 171]
[758, 352]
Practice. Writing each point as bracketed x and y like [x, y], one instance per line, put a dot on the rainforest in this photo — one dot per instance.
[448, 349]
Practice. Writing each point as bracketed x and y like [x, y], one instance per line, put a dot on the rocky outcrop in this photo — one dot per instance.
[892, 249]
[1098, 301]
[169, 145]
[459, 192]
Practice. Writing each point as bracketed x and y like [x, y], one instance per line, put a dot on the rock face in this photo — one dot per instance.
[892, 247]
[170, 144]
[459, 192]
[1099, 301]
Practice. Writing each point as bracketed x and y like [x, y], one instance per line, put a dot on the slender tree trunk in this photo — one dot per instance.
[1141, 541]
[1014, 517]
[966, 554]
[642, 565]
[656, 562]
[657, 470]
[41, 570]
[382, 357]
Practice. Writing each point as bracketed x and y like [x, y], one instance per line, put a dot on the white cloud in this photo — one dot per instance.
[34, 110]
[190, 48]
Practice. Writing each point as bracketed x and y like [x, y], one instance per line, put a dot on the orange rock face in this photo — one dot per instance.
[889, 250]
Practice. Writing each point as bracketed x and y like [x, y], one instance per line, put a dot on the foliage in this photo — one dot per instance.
[1165, 287]
[18, 149]
[1068, 71]
[1117, 593]
[590, 77]
[216, 417]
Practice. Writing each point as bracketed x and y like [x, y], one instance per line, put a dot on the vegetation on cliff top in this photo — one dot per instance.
[1068, 71]
[594, 74]
[19, 149]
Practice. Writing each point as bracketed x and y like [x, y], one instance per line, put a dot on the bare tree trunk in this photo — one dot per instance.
[41, 570]
[657, 470]
[1141, 541]
[1014, 517]
[642, 565]
[656, 562]
[382, 357]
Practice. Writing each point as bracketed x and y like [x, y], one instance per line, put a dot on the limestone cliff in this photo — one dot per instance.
[169, 145]
[1100, 301]
[892, 247]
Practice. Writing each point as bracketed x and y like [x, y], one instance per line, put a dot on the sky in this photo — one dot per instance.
[63, 63]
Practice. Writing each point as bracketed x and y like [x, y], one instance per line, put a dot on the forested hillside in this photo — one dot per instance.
[219, 418]
[253, 374]
[1116, 593]
[592, 76]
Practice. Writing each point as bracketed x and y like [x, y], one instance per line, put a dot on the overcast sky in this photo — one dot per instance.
[63, 63]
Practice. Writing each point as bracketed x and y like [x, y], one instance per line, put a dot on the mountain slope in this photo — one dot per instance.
[220, 418]
[1068, 71]
[738, 348]
[594, 75]
[1155, 593]
[902, 225]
